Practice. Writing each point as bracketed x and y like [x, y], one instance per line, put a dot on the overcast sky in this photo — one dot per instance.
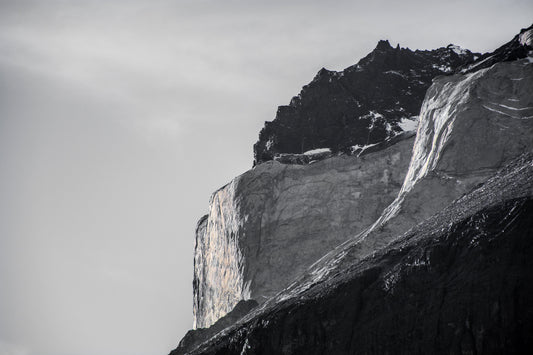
[119, 118]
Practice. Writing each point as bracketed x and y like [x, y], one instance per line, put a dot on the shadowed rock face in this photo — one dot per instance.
[195, 337]
[364, 104]
[458, 283]
[464, 289]
[517, 48]
[271, 223]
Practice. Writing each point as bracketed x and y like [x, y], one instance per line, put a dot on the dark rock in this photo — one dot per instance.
[517, 48]
[362, 105]
[195, 337]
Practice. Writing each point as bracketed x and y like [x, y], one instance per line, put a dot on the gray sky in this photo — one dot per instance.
[119, 118]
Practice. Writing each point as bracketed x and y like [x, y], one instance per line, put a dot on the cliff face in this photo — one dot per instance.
[445, 268]
[458, 283]
[218, 280]
[470, 126]
[271, 223]
[461, 142]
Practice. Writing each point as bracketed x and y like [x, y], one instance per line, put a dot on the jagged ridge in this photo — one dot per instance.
[359, 106]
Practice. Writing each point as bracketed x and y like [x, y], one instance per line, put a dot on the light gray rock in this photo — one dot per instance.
[470, 127]
[271, 223]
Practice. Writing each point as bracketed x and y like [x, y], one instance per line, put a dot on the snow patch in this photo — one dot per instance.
[443, 68]
[317, 151]
[526, 38]
[395, 73]
[359, 149]
[476, 64]
[374, 117]
[409, 124]
[457, 50]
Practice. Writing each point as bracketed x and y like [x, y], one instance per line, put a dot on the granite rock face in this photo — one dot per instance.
[463, 138]
[271, 223]
[364, 104]
[470, 126]
[445, 268]
[459, 283]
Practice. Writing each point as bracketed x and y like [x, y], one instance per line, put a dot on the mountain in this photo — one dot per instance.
[364, 104]
[407, 246]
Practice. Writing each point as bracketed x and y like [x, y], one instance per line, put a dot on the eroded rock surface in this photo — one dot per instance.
[470, 126]
[453, 153]
[271, 223]
[458, 283]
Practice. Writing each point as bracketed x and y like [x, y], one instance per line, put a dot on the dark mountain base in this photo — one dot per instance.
[462, 289]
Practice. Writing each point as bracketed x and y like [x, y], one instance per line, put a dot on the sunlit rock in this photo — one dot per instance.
[271, 223]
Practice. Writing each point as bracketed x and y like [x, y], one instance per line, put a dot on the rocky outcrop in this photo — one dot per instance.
[271, 223]
[364, 104]
[517, 48]
[195, 337]
[470, 126]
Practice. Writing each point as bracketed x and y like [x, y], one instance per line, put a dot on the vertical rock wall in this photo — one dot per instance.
[470, 126]
[270, 224]
[218, 260]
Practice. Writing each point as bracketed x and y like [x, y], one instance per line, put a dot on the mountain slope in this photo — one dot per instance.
[458, 283]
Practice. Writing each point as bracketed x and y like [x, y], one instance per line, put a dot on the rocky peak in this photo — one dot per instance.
[383, 45]
[365, 104]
